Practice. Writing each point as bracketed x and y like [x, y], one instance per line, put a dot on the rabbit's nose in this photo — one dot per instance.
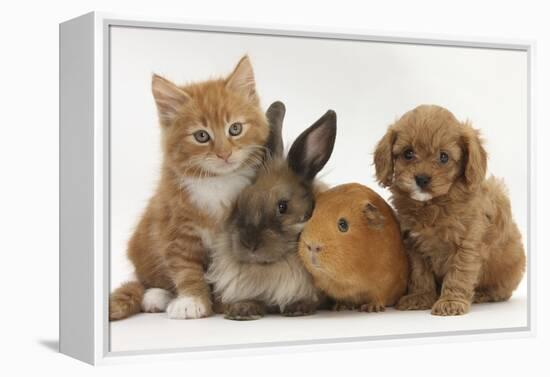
[313, 247]
[249, 244]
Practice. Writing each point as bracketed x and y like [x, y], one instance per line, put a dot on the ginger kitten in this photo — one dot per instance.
[213, 135]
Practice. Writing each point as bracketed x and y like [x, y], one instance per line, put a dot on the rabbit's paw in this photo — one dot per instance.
[244, 311]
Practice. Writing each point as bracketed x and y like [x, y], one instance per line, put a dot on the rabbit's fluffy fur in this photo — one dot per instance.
[276, 284]
[254, 264]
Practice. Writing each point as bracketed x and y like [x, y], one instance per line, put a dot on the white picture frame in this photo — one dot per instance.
[85, 188]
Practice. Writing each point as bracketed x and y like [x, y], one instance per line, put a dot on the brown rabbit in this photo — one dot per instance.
[255, 266]
[352, 246]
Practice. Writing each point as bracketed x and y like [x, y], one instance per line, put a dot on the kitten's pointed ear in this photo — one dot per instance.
[312, 149]
[169, 98]
[275, 116]
[241, 80]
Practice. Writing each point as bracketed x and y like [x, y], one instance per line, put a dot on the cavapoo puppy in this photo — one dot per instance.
[462, 242]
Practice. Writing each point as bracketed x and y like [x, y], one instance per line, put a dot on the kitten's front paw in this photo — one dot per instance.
[416, 301]
[189, 307]
[446, 307]
[156, 300]
[244, 311]
[300, 308]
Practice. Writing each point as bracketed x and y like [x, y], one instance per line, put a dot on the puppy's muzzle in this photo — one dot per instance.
[422, 180]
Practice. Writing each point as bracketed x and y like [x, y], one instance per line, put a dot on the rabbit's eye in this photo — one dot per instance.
[201, 136]
[282, 206]
[235, 129]
[343, 225]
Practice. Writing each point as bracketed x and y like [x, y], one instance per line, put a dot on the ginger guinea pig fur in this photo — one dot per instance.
[352, 247]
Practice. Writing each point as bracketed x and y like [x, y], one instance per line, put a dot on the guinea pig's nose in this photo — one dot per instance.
[422, 180]
[313, 247]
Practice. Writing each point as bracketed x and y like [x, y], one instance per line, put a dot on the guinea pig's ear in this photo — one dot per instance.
[383, 158]
[375, 219]
[475, 156]
[275, 116]
[312, 149]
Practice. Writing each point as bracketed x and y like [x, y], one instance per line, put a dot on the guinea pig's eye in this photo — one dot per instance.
[408, 154]
[282, 206]
[443, 157]
[343, 225]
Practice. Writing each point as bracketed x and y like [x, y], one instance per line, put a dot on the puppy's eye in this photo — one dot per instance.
[201, 136]
[343, 225]
[282, 206]
[443, 157]
[235, 129]
[408, 154]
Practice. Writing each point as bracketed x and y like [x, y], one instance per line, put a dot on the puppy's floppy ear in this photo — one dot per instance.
[475, 156]
[383, 158]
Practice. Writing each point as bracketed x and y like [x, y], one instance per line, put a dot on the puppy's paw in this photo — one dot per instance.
[447, 307]
[481, 296]
[156, 300]
[189, 307]
[244, 311]
[299, 308]
[416, 301]
[372, 307]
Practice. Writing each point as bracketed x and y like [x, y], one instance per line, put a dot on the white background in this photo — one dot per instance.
[368, 84]
[29, 155]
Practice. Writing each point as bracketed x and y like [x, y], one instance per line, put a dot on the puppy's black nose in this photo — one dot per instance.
[422, 180]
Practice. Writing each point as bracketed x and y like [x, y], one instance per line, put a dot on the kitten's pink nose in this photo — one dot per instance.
[224, 155]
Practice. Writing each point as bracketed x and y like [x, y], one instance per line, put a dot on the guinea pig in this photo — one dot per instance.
[353, 248]
[255, 267]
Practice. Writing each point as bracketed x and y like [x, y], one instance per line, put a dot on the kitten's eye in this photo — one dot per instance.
[202, 136]
[282, 206]
[408, 154]
[235, 129]
[443, 157]
[343, 225]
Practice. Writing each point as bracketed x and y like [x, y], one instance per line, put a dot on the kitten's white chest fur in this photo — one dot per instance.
[215, 195]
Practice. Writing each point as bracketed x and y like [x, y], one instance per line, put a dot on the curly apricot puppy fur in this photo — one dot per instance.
[462, 241]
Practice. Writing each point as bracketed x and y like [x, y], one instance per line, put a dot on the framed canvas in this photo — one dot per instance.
[111, 156]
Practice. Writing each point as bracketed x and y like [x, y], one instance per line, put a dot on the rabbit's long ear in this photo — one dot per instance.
[312, 149]
[275, 116]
